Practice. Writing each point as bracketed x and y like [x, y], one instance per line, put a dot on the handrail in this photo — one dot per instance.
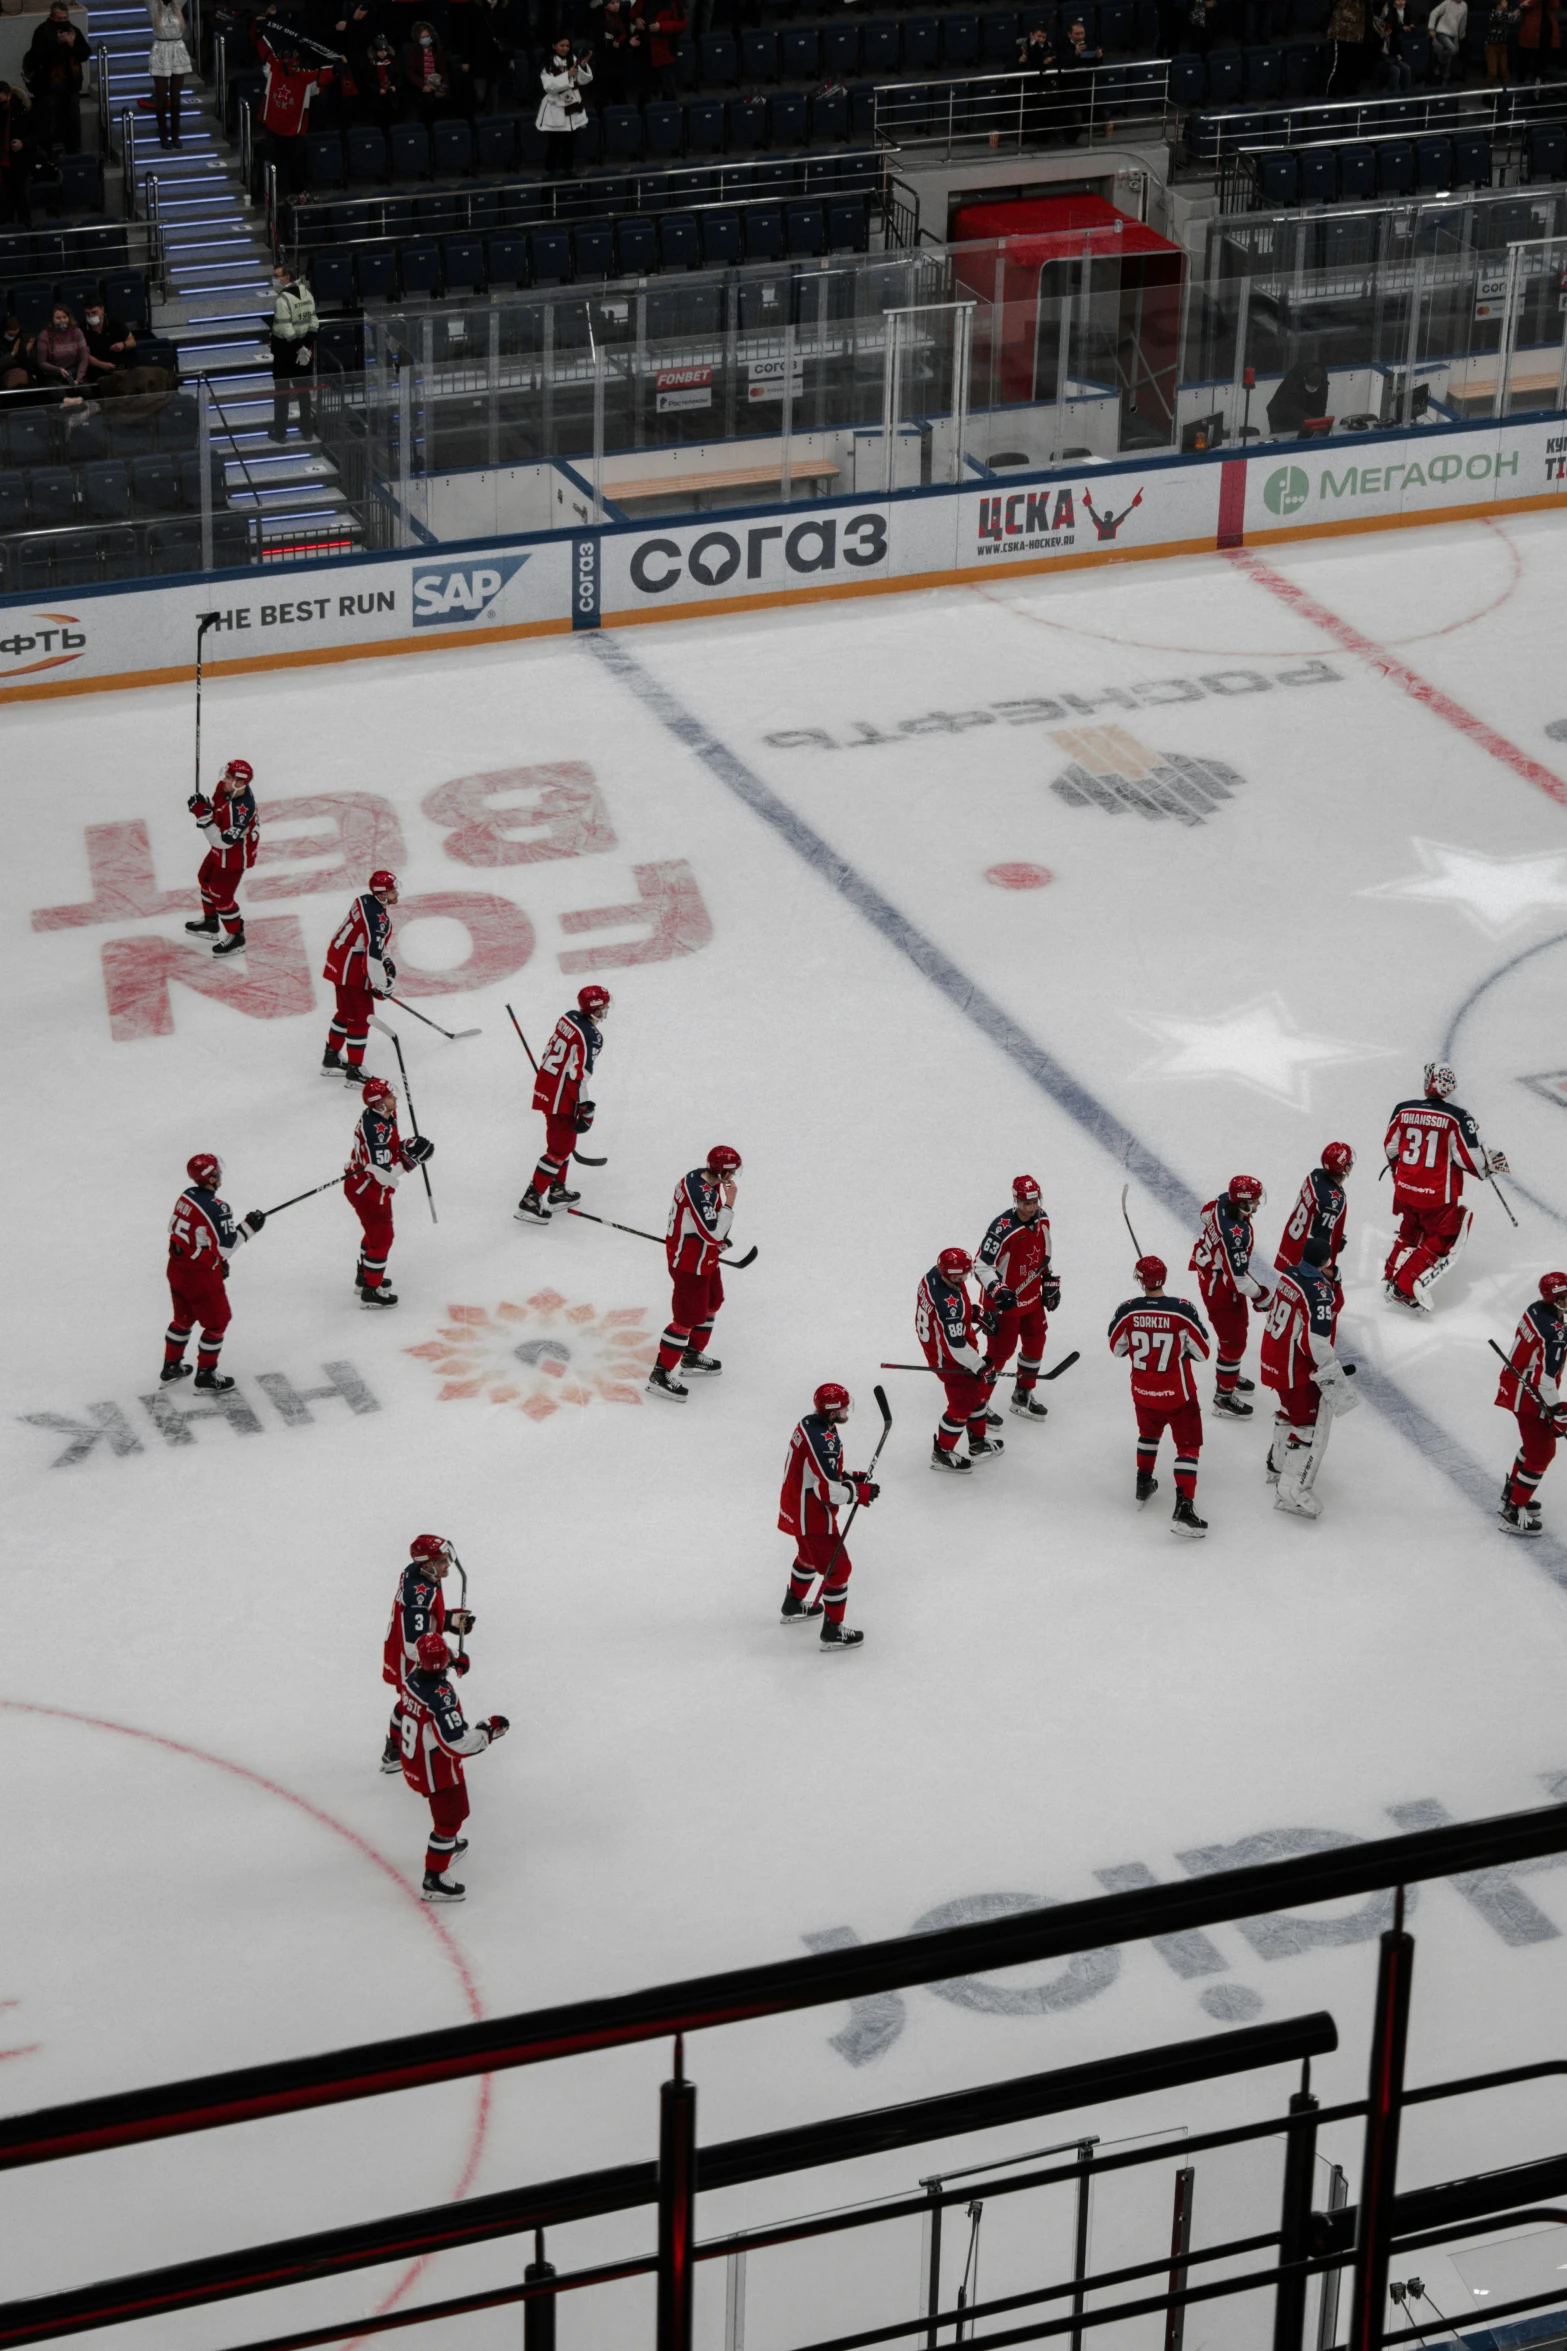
[101, 54]
[128, 161]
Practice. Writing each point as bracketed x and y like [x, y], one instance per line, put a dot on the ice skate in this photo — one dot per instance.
[988, 1449]
[798, 1611]
[437, 1889]
[1231, 1407]
[378, 1298]
[660, 1383]
[354, 1073]
[232, 944]
[215, 1383]
[1395, 1297]
[174, 1371]
[1027, 1405]
[530, 1209]
[1147, 1487]
[1520, 1518]
[993, 1420]
[1184, 1520]
[840, 1636]
[1245, 1387]
[207, 926]
[391, 1757]
[562, 1196]
[958, 1462]
[700, 1366]
[333, 1065]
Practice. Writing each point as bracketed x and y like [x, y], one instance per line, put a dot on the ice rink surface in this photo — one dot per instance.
[792, 847]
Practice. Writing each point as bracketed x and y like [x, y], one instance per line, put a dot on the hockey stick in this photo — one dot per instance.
[737, 1262]
[413, 1115]
[1054, 1373]
[329, 1185]
[463, 1572]
[885, 1409]
[205, 621]
[581, 1157]
[1497, 1189]
[1548, 1412]
[452, 1036]
[1136, 1243]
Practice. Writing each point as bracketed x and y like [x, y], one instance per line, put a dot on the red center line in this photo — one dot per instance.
[1399, 673]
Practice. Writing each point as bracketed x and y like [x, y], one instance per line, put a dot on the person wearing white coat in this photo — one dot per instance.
[169, 61]
[561, 109]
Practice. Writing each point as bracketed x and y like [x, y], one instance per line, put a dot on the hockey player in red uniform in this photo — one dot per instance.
[361, 972]
[699, 1219]
[233, 837]
[418, 1607]
[1531, 1389]
[1320, 1212]
[564, 1069]
[1014, 1271]
[1161, 1338]
[1431, 1145]
[377, 1165]
[1300, 1366]
[203, 1236]
[944, 1326]
[816, 1487]
[1221, 1261]
[434, 1740]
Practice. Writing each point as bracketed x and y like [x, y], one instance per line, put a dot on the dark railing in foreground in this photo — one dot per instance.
[1361, 2238]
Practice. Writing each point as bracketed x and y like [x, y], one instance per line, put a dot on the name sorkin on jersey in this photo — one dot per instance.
[444, 592]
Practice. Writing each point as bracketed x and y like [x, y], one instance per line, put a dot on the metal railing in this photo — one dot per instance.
[1309, 2244]
[1383, 231]
[1024, 113]
[1497, 113]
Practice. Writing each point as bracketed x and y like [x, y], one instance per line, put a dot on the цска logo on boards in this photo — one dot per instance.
[460, 591]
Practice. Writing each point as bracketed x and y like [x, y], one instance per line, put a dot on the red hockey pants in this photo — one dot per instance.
[812, 1556]
[351, 1025]
[1536, 1452]
[198, 1296]
[222, 871]
[1231, 1319]
[967, 1397]
[559, 1136]
[1028, 1324]
[692, 1313]
[448, 1811]
[372, 1204]
[1184, 1423]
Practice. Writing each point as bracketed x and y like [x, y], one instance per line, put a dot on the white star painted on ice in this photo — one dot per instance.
[1496, 893]
[1257, 1044]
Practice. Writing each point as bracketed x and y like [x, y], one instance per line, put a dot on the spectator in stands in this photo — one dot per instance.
[562, 110]
[623, 52]
[427, 84]
[1077, 80]
[1448, 23]
[16, 155]
[59, 353]
[293, 339]
[1303, 394]
[1502, 20]
[666, 26]
[1387, 35]
[377, 84]
[52, 69]
[168, 64]
[1347, 32]
[1036, 57]
[1540, 35]
[15, 374]
[110, 343]
[480, 52]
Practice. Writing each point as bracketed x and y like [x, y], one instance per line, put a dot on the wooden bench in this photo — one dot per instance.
[691, 486]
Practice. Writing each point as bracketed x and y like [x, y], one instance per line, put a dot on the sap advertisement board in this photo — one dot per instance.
[75, 640]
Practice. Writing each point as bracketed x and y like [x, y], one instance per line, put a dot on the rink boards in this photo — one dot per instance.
[487, 592]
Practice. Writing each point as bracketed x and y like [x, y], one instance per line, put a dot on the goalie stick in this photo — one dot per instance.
[581, 1157]
[737, 1262]
[885, 1409]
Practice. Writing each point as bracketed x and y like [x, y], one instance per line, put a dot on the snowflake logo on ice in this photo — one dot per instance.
[541, 1355]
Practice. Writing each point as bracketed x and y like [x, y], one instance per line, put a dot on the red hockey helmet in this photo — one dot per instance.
[724, 1160]
[1247, 1192]
[1152, 1272]
[206, 1168]
[1553, 1288]
[1025, 1190]
[1440, 1080]
[239, 771]
[593, 1001]
[833, 1397]
[432, 1653]
[378, 1090]
[955, 1264]
[1337, 1158]
[433, 1550]
[383, 885]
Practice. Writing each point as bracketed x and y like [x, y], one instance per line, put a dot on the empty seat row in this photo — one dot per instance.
[27, 253]
[721, 238]
[79, 187]
[123, 293]
[108, 489]
[71, 437]
[1373, 167]
[75, 558]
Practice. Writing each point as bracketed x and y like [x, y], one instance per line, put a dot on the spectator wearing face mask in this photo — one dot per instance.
[52, 69]
[427, 85]
[293, 339]
[110, 344]
[60, 354]
[377, 80]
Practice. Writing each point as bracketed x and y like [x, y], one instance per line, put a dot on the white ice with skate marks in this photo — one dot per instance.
[1050, 1687]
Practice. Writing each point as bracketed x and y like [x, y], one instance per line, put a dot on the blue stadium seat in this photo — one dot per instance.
[788, 121]
[1278, 177]
[593, 249]
[1117, 24]
[705, 126]
[419, 266]
[179, 422]
[366, 151]
[375, 272]
[13, 500]
[408, 147]
[1226, 72]
[551, 255]
[323, 159]
[1357, 171]
[804, 231]
[848, 229]
[862, 111]
[73, 560]
[636, 247]
[451, 148]
[830, 117]
[799, 53]
[120, 553]
[841, 50]
[1396, 167]
[1264, 72]
[921, 44]
[764, 232]
[1545, 147]
[87, 436]
[758, 55]
[718, 60]
[81, 183]
[1187, 81]
[664, 129]
[1472, 160]
[1302, 68]
[462, 264]
[879, 47]
[29, 436]
[332, 274]
[622, 127]
[506, 256]
[495, 142]
[747, 123]
[723, 239]
[51, 495]
[155, 486]
[1434, 163]
[1318, 175]
[679, 241]
[960, 39]
[187, 471]
[125, 296]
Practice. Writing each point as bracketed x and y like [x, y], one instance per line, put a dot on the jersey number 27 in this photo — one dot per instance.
[1143, 1345]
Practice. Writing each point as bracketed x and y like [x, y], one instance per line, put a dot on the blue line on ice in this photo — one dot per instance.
[1477, 1485]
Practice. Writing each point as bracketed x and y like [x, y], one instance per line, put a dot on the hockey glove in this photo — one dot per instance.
[988, 1320]
[1496, 1163]
[582, 1116]
[390, 969]
[497, 1726]
[865, 1489]
[1003, 1299]
[200, 809]
[417, 1150]
[256, 1219]
[460, 1619]
[1337, 1394]
[1050, 1291]
[460, 1663]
